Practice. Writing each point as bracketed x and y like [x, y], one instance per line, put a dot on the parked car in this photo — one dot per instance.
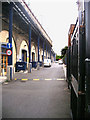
[47, 62]
[56, 61]
[60, 61]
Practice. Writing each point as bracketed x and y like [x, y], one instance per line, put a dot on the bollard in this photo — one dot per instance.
[38, 66]
[29, 67]
[10, 72]
[3, 72]
[42, 64]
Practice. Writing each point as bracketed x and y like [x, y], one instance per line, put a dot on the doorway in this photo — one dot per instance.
[42, 57]
[33, 56]
[24, 55]
[4, 63]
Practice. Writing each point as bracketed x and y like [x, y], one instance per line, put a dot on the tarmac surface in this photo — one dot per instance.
[44, 94]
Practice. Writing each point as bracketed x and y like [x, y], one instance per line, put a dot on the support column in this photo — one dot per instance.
[46, 51]
[10, 70]
[38, 48]
[43, 53]
[29, 43]
[30, 64]
[38, 64]
[10, 30]
[50, 52]
[43, 50]
[81, 69]
[0, 31]
[0, 59]
[0, 62]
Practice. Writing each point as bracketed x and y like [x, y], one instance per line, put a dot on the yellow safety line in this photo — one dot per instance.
[48, 79]
[39, 79]
[35, 79]
[60, 79]
[24, 79]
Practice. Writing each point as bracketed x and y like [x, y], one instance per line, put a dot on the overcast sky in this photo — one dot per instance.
[55, 16]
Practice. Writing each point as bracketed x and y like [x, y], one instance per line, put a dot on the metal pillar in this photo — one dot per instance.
[38, 48]
[46, 51]
[81, 74]
[43, 51]
[0, 31]
[29, 43]
[38, 64]
[0, 59]
[10, 70]
[10, 30]
[0, 62]
[29, 65]
[87, 31]
[50, 52]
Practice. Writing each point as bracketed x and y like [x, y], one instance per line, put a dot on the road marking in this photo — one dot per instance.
[24, 79]
[35, 79]
[60, 79]
[40, 79]
[48, 79]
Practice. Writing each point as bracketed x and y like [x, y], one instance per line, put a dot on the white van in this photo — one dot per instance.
[47, 62]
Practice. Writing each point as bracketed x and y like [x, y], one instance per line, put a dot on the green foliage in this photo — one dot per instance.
[63, 51]
[58, 57]
[6, 81]
[61, 56]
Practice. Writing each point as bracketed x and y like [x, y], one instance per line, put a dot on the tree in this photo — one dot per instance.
[58, 57]
[63, 51]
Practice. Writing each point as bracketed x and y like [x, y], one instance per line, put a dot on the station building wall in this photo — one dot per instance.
[4, 35]
[19, 44]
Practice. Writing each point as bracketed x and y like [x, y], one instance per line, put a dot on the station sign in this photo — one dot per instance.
[8, 52]
[9, 45]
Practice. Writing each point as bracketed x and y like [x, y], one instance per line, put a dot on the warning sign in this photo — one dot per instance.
[8, 52]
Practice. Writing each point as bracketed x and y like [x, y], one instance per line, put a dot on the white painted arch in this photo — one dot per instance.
[4, 38]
